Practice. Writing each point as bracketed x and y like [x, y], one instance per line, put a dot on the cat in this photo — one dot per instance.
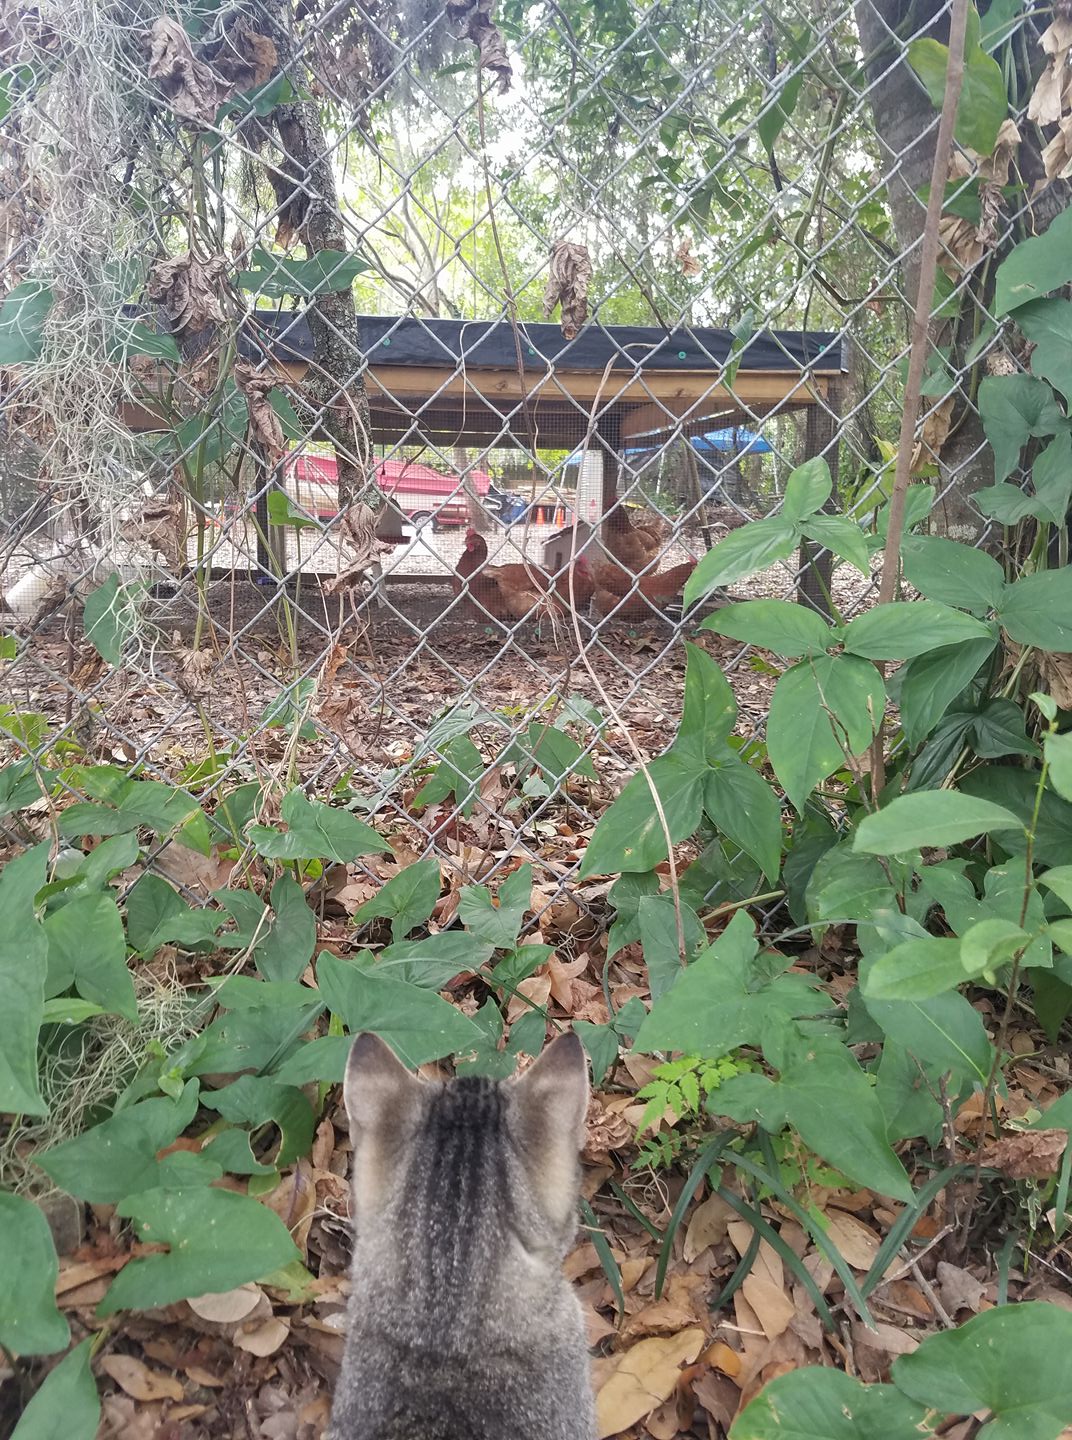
[461, 1323]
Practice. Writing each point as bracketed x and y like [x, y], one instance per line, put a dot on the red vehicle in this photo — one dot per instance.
[421, 493]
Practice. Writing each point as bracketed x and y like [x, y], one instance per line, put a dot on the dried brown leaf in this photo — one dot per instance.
[138, 1381]
[1026, 1155]
[960, 1289]
[857, 1242]
[187, 288]
[191, 88]
[708, 1225]
[244, 58]
[690, 266]
[642, 1378]
[485, 35]
[228, 1306]
[257, 385]
[294, 1201]
[263, 1339]
[605, 1131]
[567, 285]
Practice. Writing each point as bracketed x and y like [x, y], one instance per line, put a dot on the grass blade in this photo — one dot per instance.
[706, 1158]
[606, 1259]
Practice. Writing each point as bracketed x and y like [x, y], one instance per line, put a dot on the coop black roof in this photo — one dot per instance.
[486, 345]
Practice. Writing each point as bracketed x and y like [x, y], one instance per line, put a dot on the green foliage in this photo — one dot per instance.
[406, 900]
[983, 103]
[700, 774]
[217, 1240]
[953, 878]
[23, 313]
[1008, 1364]
[30, 1324]
[283, 511]
[681, 1086]
[276, 277]
[66, 1407]
[416, 1023]
[820, 1404]
[110, 618]
[932, 818]
[1010, 1361]
[1036, 266]
[23, 967]
[316, 831]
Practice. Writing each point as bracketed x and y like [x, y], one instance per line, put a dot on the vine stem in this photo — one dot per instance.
[1002, 1037]
[917, 355]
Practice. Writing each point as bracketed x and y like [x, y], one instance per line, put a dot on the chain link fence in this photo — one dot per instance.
[373, 376]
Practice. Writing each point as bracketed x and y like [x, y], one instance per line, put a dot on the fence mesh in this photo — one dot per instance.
[310, 307]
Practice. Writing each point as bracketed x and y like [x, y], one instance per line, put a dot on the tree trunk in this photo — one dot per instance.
[308, 203]
[333, 386]
[906, 128]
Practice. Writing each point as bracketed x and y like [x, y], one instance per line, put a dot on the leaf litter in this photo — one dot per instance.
[260, 1360]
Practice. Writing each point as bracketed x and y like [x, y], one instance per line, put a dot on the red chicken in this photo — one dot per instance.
[612, 587]
[516, 591]
[634, 544]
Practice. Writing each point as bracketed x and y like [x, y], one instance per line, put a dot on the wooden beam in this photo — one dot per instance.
[667, 415]
[674, 388]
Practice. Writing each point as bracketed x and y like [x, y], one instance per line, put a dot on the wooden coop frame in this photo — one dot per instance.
[496, 384]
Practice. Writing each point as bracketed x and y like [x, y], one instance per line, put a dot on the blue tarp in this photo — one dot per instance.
[725, 442]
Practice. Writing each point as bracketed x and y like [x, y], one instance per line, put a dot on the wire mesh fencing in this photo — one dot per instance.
[374, 377]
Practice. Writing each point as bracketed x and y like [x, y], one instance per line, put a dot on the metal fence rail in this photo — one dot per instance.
[297, 296]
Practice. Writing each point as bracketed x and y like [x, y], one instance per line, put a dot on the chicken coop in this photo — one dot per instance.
[454, 392]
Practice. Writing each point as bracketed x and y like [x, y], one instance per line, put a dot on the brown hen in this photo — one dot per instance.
[515, 591]
[613, 585]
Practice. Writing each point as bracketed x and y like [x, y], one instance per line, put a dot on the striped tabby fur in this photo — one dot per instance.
[461, 1325]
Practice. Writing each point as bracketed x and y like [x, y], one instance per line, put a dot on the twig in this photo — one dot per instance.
[917, 357]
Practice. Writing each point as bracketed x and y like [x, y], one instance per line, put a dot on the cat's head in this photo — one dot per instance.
[441, 1156]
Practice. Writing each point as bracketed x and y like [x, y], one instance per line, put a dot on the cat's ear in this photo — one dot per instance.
[383, 1105]
[551, 1100]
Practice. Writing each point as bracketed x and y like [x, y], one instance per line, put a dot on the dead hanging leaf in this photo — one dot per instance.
[294, 1201]
[1057, 156]
[1056, 670]
[187, 290]
[193, 670]
[994, 168]
[243, 57]
[1027, 1155]
[162, 526]
[191, 88]
[357, 533]
[567, 285]
[643, 1377]
[991, 207]
[485, 35]
[138, 1381]
[690, 266]
[1050, 100]
[935, 431]
[257, 385]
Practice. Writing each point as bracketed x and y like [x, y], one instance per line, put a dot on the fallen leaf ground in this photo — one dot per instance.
[258, 1362]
